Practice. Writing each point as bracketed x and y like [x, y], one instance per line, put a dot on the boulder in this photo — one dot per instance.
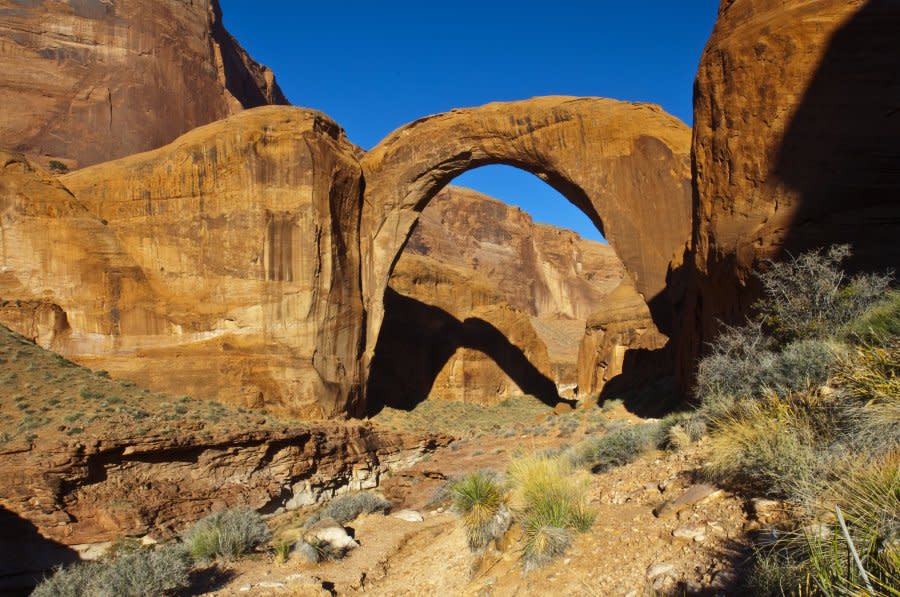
[86, 81]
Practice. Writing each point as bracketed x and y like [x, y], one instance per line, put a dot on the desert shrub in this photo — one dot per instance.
[551, 499]
[134, 574]
[481, 499]
[225, 534]
[815, 558]
[57, 166]
[71, 581]
[767, 446]
[810, 296]
[619, 446]
[348, 507]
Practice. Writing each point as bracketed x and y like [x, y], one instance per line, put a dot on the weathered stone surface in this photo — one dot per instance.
[625, 165]
[96, 490]
[795, 145]
[470, 254]
[621, 322]
[86, 81]
[224, 265]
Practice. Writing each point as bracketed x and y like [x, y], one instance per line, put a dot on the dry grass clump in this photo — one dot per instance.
[550, 498]
[227, 534]
[617, 447]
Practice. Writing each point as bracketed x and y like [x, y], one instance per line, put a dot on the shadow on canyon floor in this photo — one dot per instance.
[418, 339]
[24, 548]
[840, 151]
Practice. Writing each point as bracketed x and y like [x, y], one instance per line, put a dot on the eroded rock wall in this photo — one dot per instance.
[795, 146]
[85, 81]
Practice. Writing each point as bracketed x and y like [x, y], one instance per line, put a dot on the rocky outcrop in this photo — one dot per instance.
[86, 81]
[795, 145]
[89, 491]
[224, 265]
[621, 323]
[625, 165]
[541, 270]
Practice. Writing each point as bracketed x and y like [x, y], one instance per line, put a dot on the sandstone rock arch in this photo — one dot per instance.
[626, 165]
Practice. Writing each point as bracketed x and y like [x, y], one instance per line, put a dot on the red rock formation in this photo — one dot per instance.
[224, 265]
[86, 81]
[625, 165]
[795, 145]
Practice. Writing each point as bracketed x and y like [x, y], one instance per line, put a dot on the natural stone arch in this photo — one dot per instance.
[626, 165]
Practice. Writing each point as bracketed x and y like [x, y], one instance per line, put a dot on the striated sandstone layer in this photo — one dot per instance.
[224, 265]
[85, 81]
[95, 490]
[625, 165]
[795, 145]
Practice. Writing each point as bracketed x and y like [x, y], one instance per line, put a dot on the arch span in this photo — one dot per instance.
[626, 165]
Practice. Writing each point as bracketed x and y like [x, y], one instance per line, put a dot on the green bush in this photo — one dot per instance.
[619, 446]
[348, 507]
[879, 323]
[134, 574]
[227, 534]
[57, 166]
[481, 500]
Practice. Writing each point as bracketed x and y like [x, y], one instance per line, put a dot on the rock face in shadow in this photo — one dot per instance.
[620, 323]
[450, 335]
[796, 123]
[224, 265]
[86, 81]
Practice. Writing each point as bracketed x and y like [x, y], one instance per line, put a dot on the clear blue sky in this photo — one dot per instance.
[376, 65]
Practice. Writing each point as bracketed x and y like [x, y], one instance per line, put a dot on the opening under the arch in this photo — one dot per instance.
[486, 304]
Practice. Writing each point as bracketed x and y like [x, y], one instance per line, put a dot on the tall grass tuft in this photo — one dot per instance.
[551, 499]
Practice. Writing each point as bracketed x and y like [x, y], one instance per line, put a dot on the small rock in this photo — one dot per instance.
[763, 508]
[664, 584]
[660, 569]
[691, 533]
[306, 552]
[408, 515]
[692, 495]
[245, 588]
[271, 584]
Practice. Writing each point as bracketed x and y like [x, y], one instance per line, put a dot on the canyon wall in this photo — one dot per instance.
[224, 265]
[795, 146]
[86, 81]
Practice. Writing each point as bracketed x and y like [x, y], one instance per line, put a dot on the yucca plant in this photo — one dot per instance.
[481, 500]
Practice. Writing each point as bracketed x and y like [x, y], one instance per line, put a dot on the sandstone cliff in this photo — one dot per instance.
[224, 265]
[86, 81]
[795, 145]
